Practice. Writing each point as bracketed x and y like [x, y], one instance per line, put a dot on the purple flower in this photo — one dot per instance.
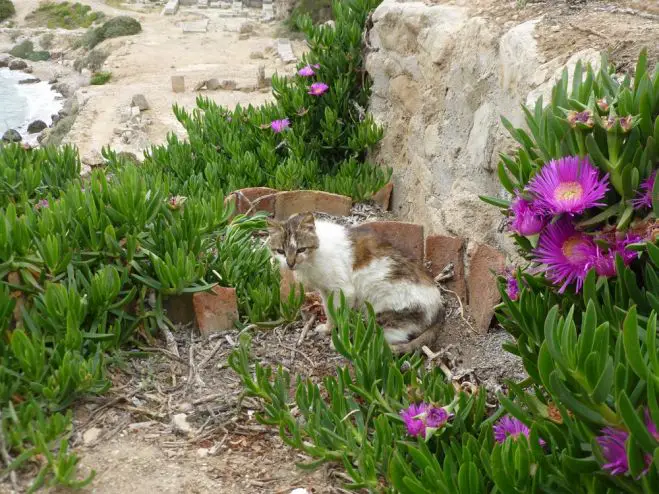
[43, 203]
[411, 416]
[604, 260]
[512, 287]
[644, 198]
[421, 416]
[510, 427]
[612, 443]
[603, 104]
[318, 89]
[308, 71]
[568, 185]
[565, 252]
[527, 218]
[278, 126]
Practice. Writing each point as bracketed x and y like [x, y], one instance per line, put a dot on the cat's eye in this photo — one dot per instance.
[300, 251]
[280, 251]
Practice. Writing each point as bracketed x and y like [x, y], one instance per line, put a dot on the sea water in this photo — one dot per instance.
[21, 104]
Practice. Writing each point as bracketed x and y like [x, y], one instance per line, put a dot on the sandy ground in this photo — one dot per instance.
[144, 64]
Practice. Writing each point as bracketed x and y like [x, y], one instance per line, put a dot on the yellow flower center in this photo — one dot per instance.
[568, 191]
[570, 249]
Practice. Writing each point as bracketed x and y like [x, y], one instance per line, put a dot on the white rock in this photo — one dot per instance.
[180, 424]
[300, 490]
[91, 435]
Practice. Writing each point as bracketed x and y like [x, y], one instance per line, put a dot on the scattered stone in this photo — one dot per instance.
[202, 452]
[12, 136]
[246, 27]
[134, 111]
[55, 117]
[256, 55]
[383, 196]
[202, 4]
[302, 201]
[228, 85]
[243, 37]
[200, 85]
[406, 237]
[28, 70]
[18, 65]
[213, 84]
[36, 127]
[31, 80]
[285, 51]
[180, 424]
[178, 83]
[441, 250]
[43, 136]
[4, 62]
[482, 288]
[91, 435]
[195, 26]
[140, 101]
[125, 113]
[260, 77]
[216, 310]
[86, 73]
[170, 7]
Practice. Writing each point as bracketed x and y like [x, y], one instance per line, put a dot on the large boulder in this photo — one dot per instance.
[17, 64]
[36, 127]
[12, 136]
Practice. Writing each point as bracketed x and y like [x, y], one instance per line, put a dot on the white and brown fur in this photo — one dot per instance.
[332, 258]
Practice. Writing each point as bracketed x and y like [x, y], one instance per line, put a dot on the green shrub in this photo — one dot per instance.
[324, 146]
[113, 28]
[46, 40]
[318, 10]
[100, 78]
[26, 51]
[584, 325]
[7, 9]
[93, 61]
[64, 15]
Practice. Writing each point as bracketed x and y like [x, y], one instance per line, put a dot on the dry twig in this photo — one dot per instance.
[305, 329]
[6, 458]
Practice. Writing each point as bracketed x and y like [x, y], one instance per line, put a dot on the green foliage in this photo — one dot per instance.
[318, 10]
[325, 146]
[100, 78]
[93, 61]
[26, 51]
[64, 15]
[7, 9]
[79, 263]
[113, 28]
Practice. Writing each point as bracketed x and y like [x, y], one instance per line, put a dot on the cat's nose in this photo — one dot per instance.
[291, 264]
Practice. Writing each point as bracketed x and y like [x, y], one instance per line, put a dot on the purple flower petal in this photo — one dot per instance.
[510, 427]
[644, 197]
[306, 71]
[436, 417]
[411, 416]
[512, 287]
[318, 89]
[566, 254]
[568, 185]
[527, 217]
[278, 126]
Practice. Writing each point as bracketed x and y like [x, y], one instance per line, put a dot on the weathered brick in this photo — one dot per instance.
[406, 237]
[482, 287]
[216, 310]
[441, 250]
[262, 198]
[304, 201]
[383, 196]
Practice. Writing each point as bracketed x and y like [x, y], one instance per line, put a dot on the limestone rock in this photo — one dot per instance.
[12, 136]
[212, 84]
[140, 101]
[180, 424]
[18, 65]
[36, 127]
[91, 435]
[178, 83]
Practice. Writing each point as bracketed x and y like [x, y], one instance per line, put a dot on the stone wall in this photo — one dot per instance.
[442, 77]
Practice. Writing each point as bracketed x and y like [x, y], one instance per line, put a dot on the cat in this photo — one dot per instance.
[333, 258]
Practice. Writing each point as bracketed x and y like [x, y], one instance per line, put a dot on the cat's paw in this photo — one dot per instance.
[324, 329]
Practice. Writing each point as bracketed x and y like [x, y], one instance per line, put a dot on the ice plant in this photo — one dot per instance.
[644, 198]
[512, 287]
[176, 202]
[279, 125]
[436, 417]
[318, 89]
[583, 117]
[510, 427]
[604, 260]
[527, 218]
[43, 203]
[565, 254]
[308, 70]
[603, 105]
[569, 185]
[612, 444]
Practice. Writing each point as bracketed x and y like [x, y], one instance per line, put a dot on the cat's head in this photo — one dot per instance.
[293, 241]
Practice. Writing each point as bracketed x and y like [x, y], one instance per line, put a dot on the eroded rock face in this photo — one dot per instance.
[442, 77]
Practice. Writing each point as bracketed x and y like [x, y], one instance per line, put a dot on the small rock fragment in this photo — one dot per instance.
[212, 84]
[180, 424]
[91, 435]
[140, 101]
[12, 135]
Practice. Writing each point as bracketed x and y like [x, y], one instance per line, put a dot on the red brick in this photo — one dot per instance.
[406, 237]
[441, 250]
[216, 310]
[482, 287]
[383, 196]
[314, 201]
[264, 195]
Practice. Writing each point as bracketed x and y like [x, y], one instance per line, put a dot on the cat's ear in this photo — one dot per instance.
[307, 220]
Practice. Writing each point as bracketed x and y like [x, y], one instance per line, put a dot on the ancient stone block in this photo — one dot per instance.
[442, 250]
[178, 83]
[303, 201]
[216, 310]
[406, 237]
[482, 288]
